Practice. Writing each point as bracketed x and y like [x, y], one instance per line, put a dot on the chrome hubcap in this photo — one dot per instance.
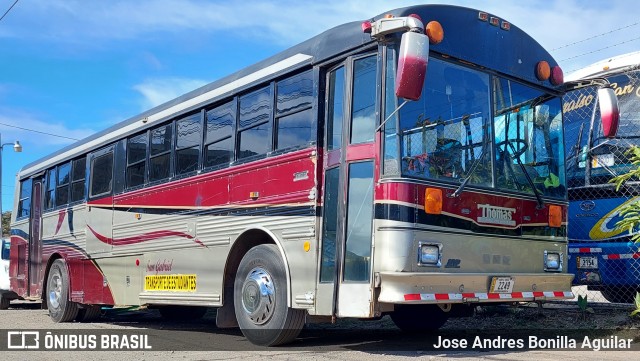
[258, 296]
[55, 290]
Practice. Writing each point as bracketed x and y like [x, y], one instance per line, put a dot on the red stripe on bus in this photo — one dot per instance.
[517, 295]
[613, 256]
[538, 294]
[442, 296]
[584, 250]
[469, 295]
[493, 296]
[558, 294]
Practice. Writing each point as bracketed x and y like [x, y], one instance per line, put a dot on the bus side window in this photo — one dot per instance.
[24, 204]
[160, 152]
[136, 160]
[255, 123]
[220, 125]
[188, 139]
[101, 175]
[62, 188]
[78, 184]
[294, 119]
[50, 195]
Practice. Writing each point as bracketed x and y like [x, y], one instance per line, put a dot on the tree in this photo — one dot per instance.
[6, 220]
[631, 212]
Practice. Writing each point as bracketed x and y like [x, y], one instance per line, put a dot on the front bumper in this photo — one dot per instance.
[415, 288]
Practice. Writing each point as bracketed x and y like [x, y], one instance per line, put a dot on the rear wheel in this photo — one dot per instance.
[260, 299]
[61, 309]
[420, 318]
[182, 313]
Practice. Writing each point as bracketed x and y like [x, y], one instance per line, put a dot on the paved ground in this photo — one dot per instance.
[352, 340]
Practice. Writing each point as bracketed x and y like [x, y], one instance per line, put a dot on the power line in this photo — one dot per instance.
[37, 131]
[6, 12]
[601, 49]
[595, 36]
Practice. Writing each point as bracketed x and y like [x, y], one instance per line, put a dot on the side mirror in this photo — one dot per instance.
[609, 111]
[412, 65]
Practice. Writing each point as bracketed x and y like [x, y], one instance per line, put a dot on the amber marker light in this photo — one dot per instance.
[433, 201]
[434, 32]
[555, 216]
[543, 70]
[306, 246]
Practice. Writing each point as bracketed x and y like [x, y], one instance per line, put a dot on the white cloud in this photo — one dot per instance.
[157, 91]
[552, 23]
[33, 131]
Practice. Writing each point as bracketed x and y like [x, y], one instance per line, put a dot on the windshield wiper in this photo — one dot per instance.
[468, 177]
[526, 175]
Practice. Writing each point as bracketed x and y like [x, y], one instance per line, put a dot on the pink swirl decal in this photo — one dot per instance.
[143, 237]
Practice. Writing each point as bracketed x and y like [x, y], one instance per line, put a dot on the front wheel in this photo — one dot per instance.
[418, 318]
[260, 299]
[61, 309]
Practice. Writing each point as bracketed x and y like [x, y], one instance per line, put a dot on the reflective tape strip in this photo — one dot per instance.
[585, 250]
[485, 296]
[622, 256]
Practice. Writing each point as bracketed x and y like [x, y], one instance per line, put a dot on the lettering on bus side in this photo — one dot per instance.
[496, 215]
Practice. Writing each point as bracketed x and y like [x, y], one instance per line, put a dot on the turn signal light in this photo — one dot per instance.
[434, 32]
[557, 77]
[543, 70]
[433, 201]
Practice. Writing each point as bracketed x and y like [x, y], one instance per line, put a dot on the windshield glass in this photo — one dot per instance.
[447, 134]
[606, 157]
[529, 144]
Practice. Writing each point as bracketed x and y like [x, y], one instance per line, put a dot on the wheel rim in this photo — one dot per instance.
[258, 296]
[55, 290]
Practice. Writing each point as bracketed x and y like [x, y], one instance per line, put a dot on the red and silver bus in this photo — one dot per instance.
[343, 177]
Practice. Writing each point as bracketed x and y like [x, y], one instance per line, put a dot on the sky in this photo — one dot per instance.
[74, 67]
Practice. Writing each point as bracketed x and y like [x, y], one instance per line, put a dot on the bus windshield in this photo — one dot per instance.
[607, 156]
[470, 126]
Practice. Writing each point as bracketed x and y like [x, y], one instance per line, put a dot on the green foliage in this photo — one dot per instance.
[6, 220]
[631, 212]
[637, 302]
[583, 306]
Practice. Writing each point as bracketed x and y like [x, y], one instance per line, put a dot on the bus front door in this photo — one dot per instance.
[345, 287]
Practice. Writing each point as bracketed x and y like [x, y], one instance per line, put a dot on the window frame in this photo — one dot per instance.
[277, 115]
[110, 151]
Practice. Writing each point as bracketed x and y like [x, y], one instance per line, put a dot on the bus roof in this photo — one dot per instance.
[606, 66]
[466, 37]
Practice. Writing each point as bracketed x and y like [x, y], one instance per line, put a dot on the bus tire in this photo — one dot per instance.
[260, 299]
[618, 294]
[88, 314]
[61, 309]
[182, 313]
[418, 318]
[4, 303]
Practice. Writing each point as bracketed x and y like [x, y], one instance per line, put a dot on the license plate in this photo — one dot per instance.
[588, 262]
[501, 285]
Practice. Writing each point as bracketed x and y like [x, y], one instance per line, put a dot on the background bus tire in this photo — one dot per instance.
[4, 303]
[88, 314]
[281, 323]
[61, 309]
[182, 313]
[619, 294]
[421, 318]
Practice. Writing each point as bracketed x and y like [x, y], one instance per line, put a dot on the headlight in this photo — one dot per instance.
[429, 254]
[552, 261]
